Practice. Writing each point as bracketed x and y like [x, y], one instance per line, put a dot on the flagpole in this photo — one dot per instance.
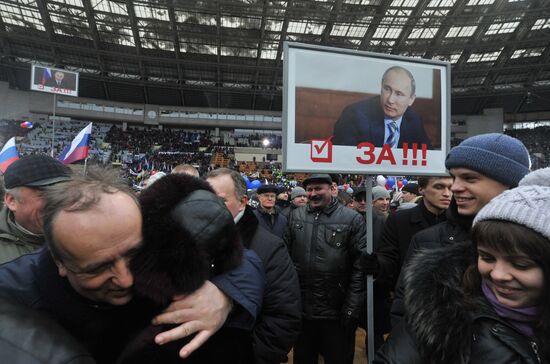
[53, 124]
[85, 164]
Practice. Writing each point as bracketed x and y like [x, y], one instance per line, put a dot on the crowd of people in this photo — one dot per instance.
[188, 270]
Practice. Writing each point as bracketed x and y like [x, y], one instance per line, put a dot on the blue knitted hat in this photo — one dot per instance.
[497, 156]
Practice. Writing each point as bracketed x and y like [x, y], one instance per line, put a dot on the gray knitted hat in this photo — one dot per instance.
[379, 192]
[497, 156]
[528, 204]
[297, 192]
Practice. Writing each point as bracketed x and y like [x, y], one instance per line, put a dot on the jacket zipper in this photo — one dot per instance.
[536, 350]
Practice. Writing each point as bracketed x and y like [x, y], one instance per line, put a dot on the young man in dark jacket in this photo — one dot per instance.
[278, 325]
[482, 167]
[402, 225]
[325, 241]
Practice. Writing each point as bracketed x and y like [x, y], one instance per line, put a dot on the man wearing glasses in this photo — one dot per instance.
[268, 214]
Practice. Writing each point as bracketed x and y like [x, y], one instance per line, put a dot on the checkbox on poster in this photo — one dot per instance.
[321, 150]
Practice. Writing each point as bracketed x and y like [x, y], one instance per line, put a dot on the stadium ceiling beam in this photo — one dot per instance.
[7, 55]
[333, 17]
[484, 21]
[409, 26]
[280, 48]
[47, 21]
[177, 50]
[520, 33]
[137, 44]
[259, 51]
[219, 52]
[126, 55]
[377, 19]
[97, 43]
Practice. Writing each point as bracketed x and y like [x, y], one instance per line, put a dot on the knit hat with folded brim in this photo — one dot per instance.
[497, 156]
[528, 204]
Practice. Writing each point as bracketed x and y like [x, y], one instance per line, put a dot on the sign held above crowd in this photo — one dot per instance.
[358, 112]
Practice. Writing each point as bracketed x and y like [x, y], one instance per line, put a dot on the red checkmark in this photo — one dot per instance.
[319, 149]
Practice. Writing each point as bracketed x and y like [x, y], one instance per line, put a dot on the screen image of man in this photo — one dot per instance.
[384, 119]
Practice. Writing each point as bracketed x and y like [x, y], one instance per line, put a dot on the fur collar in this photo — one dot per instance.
[437, 311]
[247, 226]
[188, 236]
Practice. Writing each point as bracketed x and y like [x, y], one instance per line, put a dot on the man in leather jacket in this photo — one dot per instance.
[325, 241]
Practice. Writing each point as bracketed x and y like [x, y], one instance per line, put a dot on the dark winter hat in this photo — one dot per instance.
[188, 236]
[319, 178]
[411, 188]
[497, 156]
[359, 191]
[526, 204]
[35, 171]
[267, 188]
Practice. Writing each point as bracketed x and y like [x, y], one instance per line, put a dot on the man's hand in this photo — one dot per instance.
[370, 264]
[202, 312]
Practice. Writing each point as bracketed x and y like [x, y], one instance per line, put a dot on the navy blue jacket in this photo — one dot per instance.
[274, 223]
[363, 121]
[33, 280]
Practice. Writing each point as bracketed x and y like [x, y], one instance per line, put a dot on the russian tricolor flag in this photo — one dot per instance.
[46, 76]
[8, 154]
[79, 147]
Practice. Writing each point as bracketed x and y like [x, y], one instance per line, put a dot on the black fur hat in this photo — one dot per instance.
[188, 236]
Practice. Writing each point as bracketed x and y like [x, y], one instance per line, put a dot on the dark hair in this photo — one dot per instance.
[81, 193]
[424, 181]
[238, 181]
[511, 238]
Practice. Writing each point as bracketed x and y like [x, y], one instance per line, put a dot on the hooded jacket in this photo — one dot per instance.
[455, 229]
[444, 325]
[278, 324]
[14, 242]
[326, 247]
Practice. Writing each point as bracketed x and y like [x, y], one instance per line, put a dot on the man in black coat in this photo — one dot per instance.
[268, 213]
[278, 324]
[482, 167]
[401, 226]
[325, 241]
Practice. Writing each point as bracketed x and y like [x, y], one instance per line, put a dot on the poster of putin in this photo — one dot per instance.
[54, 80]
[350, 111]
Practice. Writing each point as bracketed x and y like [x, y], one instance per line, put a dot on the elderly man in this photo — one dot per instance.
[25, 180]
[278, 324]
[83, 280]
[384, 119]
[325, 241]
[268, 214]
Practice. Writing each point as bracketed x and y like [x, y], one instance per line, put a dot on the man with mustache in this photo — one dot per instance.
[325, 240]
[384, 119]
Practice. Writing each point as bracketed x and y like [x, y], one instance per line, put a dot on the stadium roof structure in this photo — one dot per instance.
[229, 53]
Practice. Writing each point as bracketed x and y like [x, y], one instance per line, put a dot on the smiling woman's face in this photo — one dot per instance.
[516, 280]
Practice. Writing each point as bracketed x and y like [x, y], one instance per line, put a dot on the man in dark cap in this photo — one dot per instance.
[325, 240]
[21, 229]
[268, 214]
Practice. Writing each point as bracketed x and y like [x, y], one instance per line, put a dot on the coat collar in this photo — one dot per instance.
[247, 226]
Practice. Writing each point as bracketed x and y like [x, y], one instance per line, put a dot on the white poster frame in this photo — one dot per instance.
[342, 71]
